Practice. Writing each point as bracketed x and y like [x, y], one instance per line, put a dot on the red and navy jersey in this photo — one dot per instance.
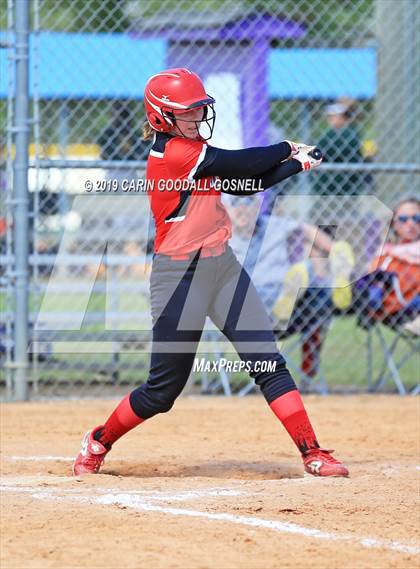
[189, 218]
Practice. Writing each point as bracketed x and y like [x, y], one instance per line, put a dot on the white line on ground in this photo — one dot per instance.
[144, 502]
[284, 527]
[40, 458]
[11, 484]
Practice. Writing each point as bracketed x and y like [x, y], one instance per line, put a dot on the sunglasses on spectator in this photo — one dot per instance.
[405, 218]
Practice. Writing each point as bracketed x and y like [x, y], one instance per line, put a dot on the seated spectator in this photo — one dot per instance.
[267, 246]
[401, 257]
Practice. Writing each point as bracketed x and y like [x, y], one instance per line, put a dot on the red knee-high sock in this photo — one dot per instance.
[290, 410]
[122, 420]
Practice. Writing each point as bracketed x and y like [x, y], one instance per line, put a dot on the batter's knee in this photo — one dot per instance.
[146, 403]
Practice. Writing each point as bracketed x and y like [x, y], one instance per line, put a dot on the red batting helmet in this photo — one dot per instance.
[171, 93]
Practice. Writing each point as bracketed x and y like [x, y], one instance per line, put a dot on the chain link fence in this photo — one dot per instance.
[342, 75]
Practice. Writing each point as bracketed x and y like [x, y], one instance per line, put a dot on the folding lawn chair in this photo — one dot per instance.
[369, 293]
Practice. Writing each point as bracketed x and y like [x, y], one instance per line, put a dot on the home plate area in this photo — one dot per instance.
[181, 494]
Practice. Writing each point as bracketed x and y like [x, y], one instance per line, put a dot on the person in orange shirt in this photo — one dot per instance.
[401, 256]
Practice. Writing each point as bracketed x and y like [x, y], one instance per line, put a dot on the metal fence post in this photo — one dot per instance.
[21, 130]
[397, 108]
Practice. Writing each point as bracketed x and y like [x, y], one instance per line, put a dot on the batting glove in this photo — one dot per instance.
[308, 162]
[294, 147]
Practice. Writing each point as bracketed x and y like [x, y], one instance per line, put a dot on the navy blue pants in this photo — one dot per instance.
[183, 294]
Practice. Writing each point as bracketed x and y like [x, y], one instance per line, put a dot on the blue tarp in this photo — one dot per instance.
[115, 65]
[322, 73]
[91, 65]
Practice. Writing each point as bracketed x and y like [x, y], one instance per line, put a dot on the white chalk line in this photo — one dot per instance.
[40, 458]
[8, 484]
[143, 501]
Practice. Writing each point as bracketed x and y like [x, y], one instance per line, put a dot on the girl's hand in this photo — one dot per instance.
[294, 147]
[305, 157]
[297, 147]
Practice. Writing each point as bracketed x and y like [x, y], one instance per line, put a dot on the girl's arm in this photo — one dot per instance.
[270, 178]
[251, 163]
[317, 237]
[245, 163]
[409, 252]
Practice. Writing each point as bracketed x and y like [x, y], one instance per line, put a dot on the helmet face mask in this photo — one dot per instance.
[201, 129]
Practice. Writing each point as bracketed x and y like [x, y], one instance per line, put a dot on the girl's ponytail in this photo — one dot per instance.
[148, 131]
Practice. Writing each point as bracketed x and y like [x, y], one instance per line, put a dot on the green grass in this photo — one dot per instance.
[343, 361]
[344, 356]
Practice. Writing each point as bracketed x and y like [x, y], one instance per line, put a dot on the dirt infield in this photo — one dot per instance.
[216, 483]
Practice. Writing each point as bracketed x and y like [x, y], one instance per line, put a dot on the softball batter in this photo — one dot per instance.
[195, 273]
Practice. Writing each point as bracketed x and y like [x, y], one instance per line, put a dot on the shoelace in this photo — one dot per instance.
[95, 461]
[326, 455]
